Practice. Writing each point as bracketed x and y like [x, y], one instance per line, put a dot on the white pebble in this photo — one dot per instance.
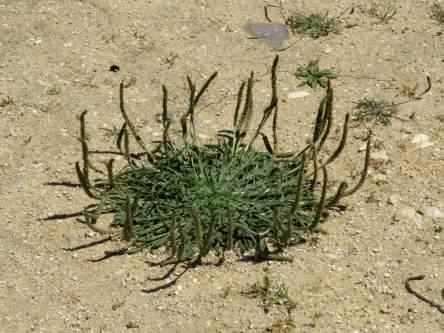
[433, 212]
[422, 141]
[298, 94]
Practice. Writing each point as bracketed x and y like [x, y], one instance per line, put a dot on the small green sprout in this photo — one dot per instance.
[312, 76]
[270, 294]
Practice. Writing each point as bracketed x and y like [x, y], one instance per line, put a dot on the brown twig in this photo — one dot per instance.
[439, 307]
[88, 245]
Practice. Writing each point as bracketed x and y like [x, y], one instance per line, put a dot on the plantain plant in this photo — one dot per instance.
[313, 25]
[191, 199]
[312, 76]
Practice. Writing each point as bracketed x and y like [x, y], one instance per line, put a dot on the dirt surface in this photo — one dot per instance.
[55, 58]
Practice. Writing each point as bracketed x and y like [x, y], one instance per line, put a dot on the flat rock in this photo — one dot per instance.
[274, 34]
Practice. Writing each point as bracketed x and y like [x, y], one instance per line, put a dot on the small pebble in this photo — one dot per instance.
[328, 49]
[422, 141]
[380, 156]
[394, 199]
[298, 94]
[433, 212]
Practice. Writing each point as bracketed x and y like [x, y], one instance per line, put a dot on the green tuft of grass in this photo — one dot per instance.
[437, 12]
[312, 76]
[313, 25]
[383, 11]
[270, 294]
[274, 295]
[378, 111]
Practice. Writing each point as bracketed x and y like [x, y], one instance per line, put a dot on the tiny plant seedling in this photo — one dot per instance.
[274, 295]
[312, 76]
[270, 294]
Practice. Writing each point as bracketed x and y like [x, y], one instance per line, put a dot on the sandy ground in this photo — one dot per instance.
[54, 61]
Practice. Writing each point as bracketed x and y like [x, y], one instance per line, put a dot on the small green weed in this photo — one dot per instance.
[383, 11]
[437, 12]
[270, 294]
[379, 111]
[313, 25]
[313, 76]
[282, 325]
